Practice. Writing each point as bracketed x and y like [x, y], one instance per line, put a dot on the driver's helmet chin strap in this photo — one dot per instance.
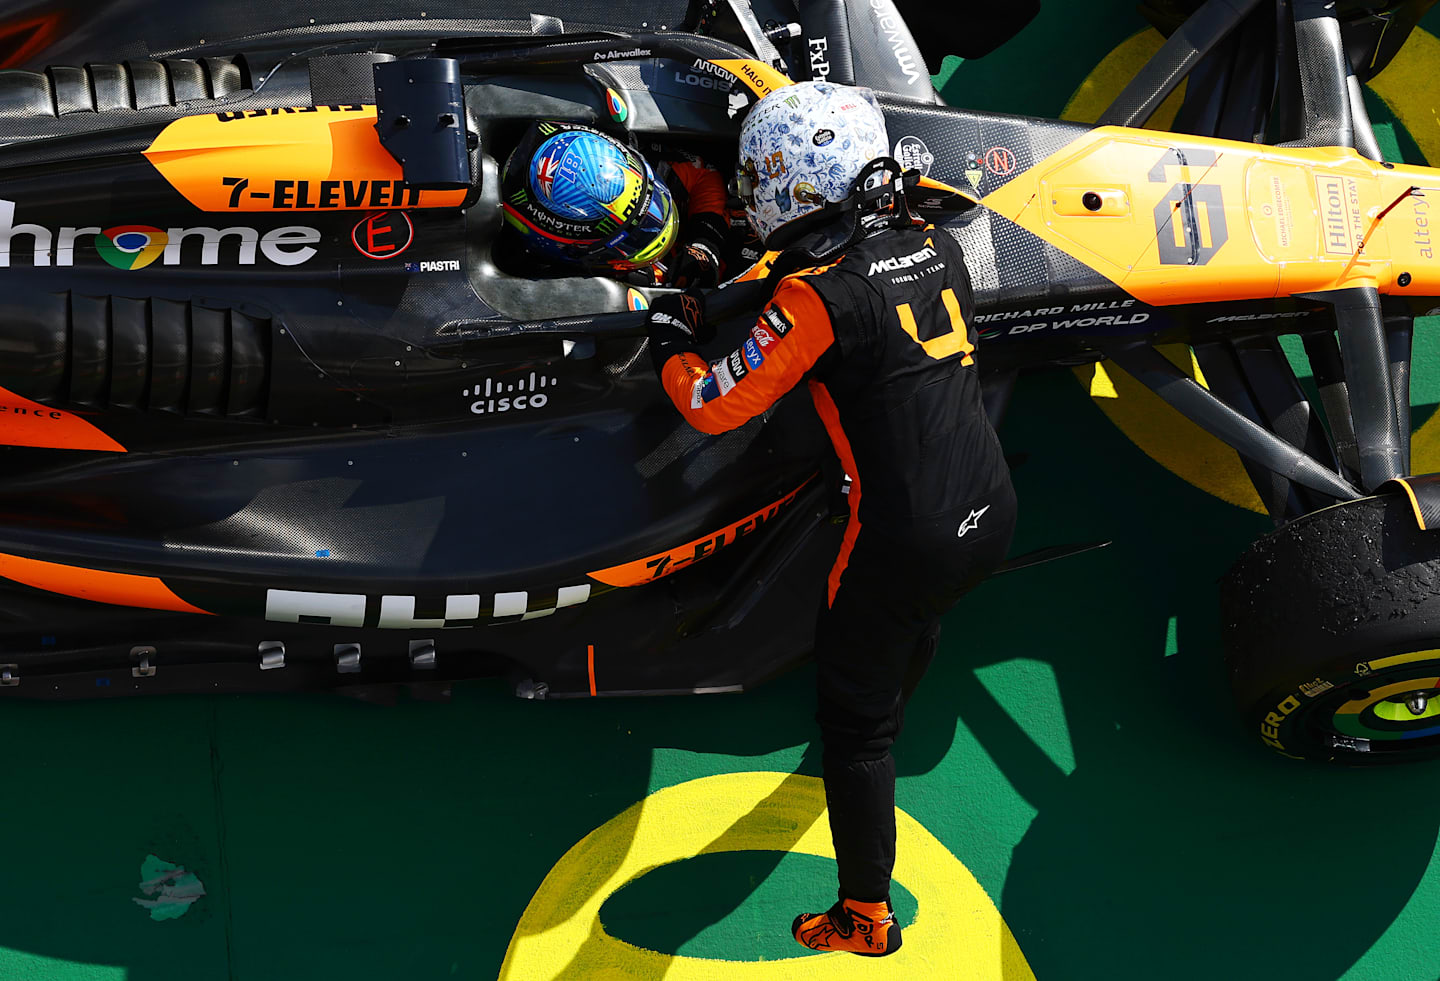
[876, 202]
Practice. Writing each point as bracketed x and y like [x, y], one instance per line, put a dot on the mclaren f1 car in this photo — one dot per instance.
[277, 416]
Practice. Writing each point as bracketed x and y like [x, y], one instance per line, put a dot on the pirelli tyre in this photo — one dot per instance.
[1331, 627]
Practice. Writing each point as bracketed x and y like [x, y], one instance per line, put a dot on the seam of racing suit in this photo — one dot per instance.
[830, 416]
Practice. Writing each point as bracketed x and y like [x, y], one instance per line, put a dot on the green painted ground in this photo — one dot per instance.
[1073, 747]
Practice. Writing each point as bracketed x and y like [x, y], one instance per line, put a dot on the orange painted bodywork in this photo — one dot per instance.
[27, 423]
[654, 567]
[333, 149]
[1287, 221]
[117, 588]
[757, 76]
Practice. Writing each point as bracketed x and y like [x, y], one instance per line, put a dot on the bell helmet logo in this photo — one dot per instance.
[131, 246]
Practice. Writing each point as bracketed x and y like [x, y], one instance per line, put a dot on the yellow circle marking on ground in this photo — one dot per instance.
[958, 934]
[1163, 434]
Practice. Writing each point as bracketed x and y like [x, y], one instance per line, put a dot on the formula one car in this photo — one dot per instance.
[275, 417]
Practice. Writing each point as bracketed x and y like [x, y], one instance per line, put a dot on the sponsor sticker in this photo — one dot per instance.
[1339, 213]
[619, 111]
[819, 50]
[310, 158]
[823, 137]
[654, 567]
[1423, 245]
[383, 235]
[317, 195]
[131, 246]
[622, 55]
[711, 82]
[134, 247]
[896, 263]
[437, 265]
[777, 320]
[888, 19]
[913, 154]
[974, 169]
[1000, 161]
[762, 336]
[410, 612]
[722, 375]
[493, 396]
[753, 357]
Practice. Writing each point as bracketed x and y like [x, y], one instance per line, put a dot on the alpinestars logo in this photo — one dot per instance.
[972, 522]
[896, 263]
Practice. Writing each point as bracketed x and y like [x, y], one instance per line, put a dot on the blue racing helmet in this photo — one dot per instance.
[581, 197]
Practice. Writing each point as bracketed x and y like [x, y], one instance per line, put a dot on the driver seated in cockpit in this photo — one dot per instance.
[577, 199]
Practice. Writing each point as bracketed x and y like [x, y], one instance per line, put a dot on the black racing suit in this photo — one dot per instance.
[884, 335]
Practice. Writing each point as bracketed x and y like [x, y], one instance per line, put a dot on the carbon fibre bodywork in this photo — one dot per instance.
[277, 419]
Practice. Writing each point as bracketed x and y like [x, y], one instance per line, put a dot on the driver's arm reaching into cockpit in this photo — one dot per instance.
[792, 334]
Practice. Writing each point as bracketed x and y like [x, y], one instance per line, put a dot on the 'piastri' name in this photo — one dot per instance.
[326, 195]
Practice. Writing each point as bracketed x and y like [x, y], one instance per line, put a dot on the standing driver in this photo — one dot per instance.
[879, 326]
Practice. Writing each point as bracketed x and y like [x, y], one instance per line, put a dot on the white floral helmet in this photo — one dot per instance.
[801, 147]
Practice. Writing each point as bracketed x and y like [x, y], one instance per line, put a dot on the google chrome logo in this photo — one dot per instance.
[131, 246]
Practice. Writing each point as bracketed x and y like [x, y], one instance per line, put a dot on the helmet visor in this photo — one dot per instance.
[650, 237]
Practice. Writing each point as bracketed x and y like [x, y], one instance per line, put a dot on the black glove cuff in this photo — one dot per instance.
[708, 229]
[666, 341]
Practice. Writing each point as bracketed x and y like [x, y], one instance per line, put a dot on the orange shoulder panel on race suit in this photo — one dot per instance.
[786, 341]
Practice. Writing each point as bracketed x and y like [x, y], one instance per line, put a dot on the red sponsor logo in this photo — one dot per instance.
[383, 235]
[1000, 161]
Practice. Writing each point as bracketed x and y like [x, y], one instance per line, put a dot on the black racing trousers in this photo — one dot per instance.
[873, 643]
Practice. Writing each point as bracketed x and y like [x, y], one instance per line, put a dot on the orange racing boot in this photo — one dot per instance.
[867, 929]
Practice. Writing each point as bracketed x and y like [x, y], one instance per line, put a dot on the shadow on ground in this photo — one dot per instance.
[1118, 816]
